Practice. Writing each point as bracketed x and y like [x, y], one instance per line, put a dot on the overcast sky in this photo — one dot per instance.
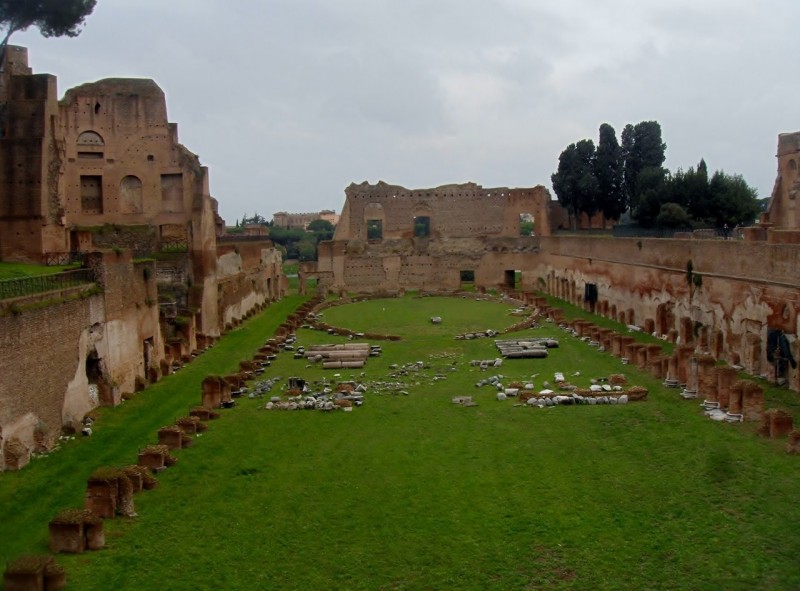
[289, 101]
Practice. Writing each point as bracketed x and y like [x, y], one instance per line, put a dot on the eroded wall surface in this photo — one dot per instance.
[746, 289]
[250, 274]
[783, 213]
[79, 349]
[391, 238]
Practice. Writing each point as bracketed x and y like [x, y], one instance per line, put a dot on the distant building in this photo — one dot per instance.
[283, 219]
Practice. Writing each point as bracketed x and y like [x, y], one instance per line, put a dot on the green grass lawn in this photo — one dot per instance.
[414, 492]
[18, 270]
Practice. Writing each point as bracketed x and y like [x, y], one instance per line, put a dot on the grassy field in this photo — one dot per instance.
[414, 492]
[18, 270]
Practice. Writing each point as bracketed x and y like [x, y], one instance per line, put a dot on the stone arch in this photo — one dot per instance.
[90, 138]
[130, 194]
[100, 390]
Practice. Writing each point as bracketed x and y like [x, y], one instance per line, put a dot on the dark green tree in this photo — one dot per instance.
[54, 18]
[642, 148]
[732, 201]
[653, 190]
[575, 183]
[673, 216]
[307, 250]
[322, 229]
[608, 168]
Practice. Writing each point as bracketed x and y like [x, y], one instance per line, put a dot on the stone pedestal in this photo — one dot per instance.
[172, 437]
[735, 399]
[95, 536]
[34, 573]
[152, 460]
[656, 366]
[101, 497]
[639, 357]
[777, 424]
[726, 377]
[212, 392]
[706, 376]
[684, 355]
[793, 445]
[753, 402]
[67, 537]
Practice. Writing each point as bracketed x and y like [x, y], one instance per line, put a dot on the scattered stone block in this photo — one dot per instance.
[171, 436]
[752, 401]
[34, 573]
[16, 455]
[793, 445]
[777, 424]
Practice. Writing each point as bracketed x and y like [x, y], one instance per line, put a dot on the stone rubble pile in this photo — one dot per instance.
[525, 348]
[468, 336]
[340, 356]
[606, 390]
[299, 395]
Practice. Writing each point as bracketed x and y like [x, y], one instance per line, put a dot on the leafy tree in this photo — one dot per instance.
[322, 229]
[54, 18]
[642, 148]
[608, 168]
[653, 189]
[673, 216]
[732, 201]
[574, 182]
[722, 200]
[307, 250]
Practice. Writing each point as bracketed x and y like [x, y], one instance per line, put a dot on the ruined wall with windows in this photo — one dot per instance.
[391, 238]
[102, 172]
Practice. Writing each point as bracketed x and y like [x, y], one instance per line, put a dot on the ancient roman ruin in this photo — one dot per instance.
[100, 176]
[734, 299]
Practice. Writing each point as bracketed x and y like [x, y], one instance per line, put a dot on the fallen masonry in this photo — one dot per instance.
[300, 396]
[342, 356]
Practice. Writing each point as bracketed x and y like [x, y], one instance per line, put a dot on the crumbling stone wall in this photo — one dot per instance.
[30, 160]
[39, 356]
[250, 274]
[747, 288]
[783, 213]
[466, 229]
[61, 359]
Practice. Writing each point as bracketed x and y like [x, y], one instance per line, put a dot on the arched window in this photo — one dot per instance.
[90, 138]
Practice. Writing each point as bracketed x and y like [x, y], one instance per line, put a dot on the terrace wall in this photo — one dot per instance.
[62, 358]
[747, 288]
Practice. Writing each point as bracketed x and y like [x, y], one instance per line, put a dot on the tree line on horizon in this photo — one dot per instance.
[293, 243]
[628, 177]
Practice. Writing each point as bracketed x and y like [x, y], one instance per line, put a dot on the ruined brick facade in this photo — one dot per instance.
[748, 287]
[82, 349]
[102, 172]
[783, 215]
[391, 238]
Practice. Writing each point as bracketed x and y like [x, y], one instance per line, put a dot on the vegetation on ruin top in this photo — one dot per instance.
[18, 270]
